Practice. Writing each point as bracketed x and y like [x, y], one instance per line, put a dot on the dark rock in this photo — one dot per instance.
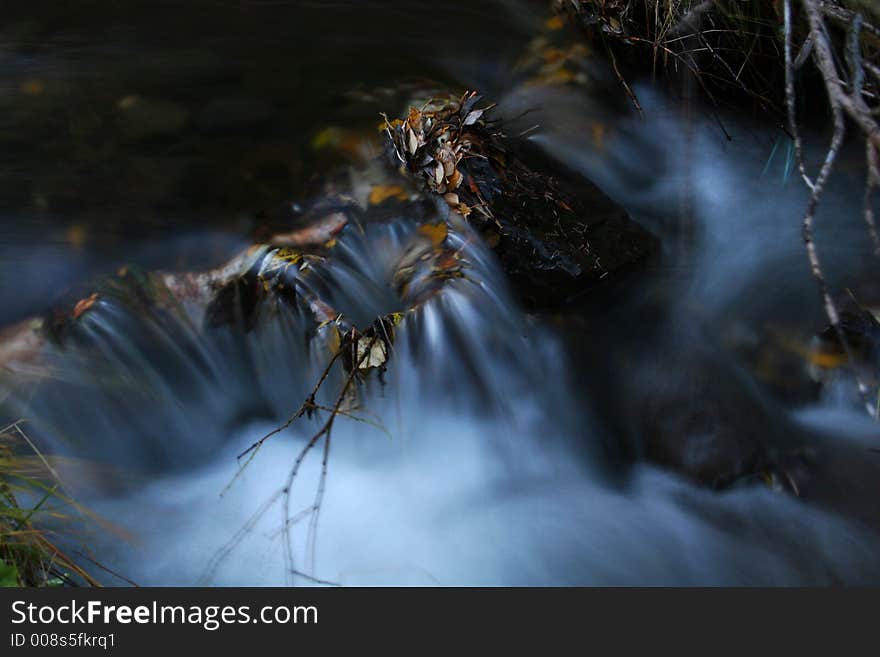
[555, 233]
[701, 436]
[680, 402]
[560, 234]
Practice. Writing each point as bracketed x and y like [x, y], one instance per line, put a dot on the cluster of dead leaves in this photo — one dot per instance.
[609, 15]
[556, 65]
[432, 141]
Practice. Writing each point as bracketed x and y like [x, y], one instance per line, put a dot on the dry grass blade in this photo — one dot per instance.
[32, 557]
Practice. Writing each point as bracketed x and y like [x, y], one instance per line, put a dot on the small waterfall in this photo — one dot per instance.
[480, 456]
[479, 463]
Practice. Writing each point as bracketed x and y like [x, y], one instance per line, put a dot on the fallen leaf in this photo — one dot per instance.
[435, 232]
[334, 338]
[598, 132]
[414, 118]
[381, 193]
[83, 305]
[33, 87]
[826, 359]
[330, 136]
[554, 23]
[76, 235]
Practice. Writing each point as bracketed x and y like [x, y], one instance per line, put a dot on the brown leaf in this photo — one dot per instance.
[435, 232]
[83, 305]
[381, 193]
[414, 118]
[76, 235]
[33, 87]
[554, 23]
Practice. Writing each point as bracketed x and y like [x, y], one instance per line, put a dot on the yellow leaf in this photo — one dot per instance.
[330, 136]
[553, 54]
[598, 132]
[554, 23]
[33, 87]
[381, 193]
[334, 339]
[827, 359]
[76, 235]
[559, 77]
[435, 232]
[396, 123]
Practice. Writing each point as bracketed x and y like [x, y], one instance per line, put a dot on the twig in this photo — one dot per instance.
[691, 19]
[316, 507]
[324, 432]
[843, 15]
[824, 59]
[790, 102]
[308, 404]
[853, 104]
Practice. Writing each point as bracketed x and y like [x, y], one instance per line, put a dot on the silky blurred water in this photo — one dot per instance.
[156, 141]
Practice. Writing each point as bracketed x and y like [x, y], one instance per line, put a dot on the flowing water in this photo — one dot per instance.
[493, 449]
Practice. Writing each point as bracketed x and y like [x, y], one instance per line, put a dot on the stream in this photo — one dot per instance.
[501, 447]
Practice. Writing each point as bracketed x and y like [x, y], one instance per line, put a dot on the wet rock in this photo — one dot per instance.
[701, 436]
[560, 235]
[702, 416]
[555, 232]
[670, 396]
